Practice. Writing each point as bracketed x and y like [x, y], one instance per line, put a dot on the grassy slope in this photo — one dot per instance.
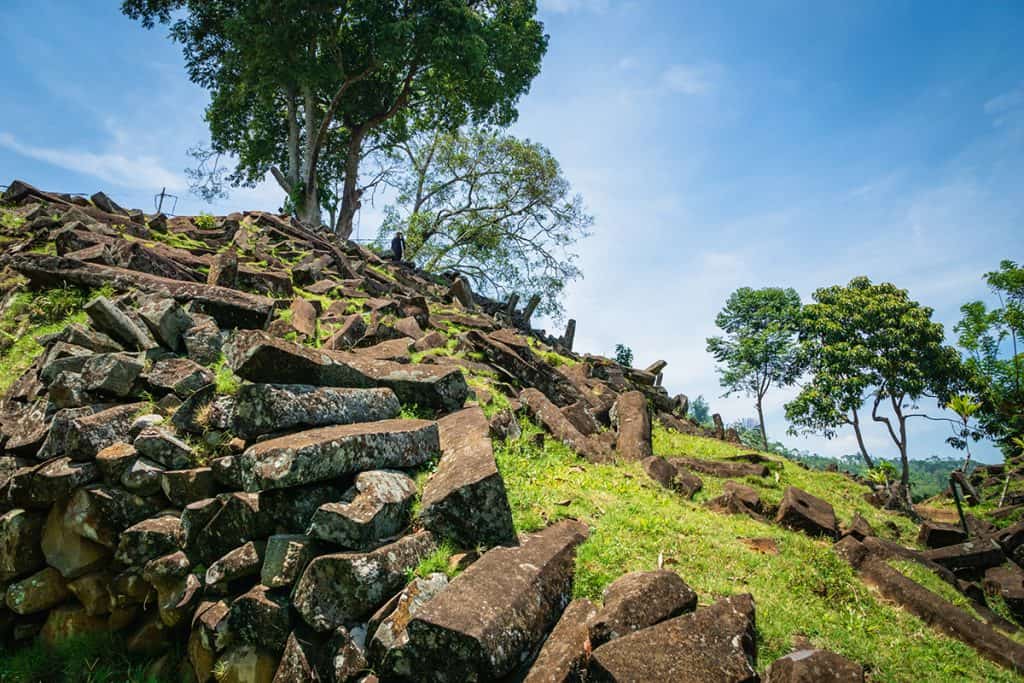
[805, 590]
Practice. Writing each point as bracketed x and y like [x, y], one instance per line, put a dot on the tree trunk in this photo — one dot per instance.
[293, 170]
[860, 441]
[760, 417]
[350, 194]
[309, 205]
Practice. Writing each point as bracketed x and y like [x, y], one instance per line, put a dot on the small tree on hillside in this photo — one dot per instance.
[874, 338]
[700, 411]
[490, 206]
[624, 355]
[759, 349]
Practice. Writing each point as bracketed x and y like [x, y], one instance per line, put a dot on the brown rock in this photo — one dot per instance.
[677, 479]
[637, 600]
[40, 591]
[814, 666]
[564, 655]
[802, 511]
[633, 422]
[70, 621]
[68, 552]
[20, 554]
[938, 535]
[716, 643]
[548, 414]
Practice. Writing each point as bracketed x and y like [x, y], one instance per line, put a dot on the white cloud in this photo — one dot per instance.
[139, 172]
[689, 79]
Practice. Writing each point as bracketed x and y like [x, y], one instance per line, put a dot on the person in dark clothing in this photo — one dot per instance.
[397, 247]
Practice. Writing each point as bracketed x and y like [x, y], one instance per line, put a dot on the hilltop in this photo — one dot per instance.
[236, 449]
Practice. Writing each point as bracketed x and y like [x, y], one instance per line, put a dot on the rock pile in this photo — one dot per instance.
[220, 455]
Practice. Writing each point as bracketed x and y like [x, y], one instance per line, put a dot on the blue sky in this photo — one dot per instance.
[719, 145]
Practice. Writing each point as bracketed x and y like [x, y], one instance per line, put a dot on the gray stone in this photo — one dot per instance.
[637, 600]
[203, 340]
[265, 408]
[166, 319]
[564, 655]
[114, 322]
[100, 513]
[261, 617]
[142, 477]
[49, 482]
[378, 508]
[388, 625]
[239, 563]
[111, 373]
[487, 620]
[332, 452]
[187, 486]
[286, 558]
[465, 498]
[148, 540]
[179, 375]
[343, 587]
[162, 447]
[632, 420]
[20, 554]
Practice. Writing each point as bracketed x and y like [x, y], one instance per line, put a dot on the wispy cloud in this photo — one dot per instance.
[567, 6]
[689, 79]
[142, 172]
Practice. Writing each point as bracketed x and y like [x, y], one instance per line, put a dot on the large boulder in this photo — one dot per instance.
[40, 591]
[344, 587]
[801, 511]
[260, 357]
[638, 600]
[465, 498]
[265, 408]
[496, 612]
[716, 643]
[387, 627]
[20, 554]
[332, 452]
[261, 617]
[181, 376]
[378, 507]
[109, 319]
[49, 482]
[632, 419]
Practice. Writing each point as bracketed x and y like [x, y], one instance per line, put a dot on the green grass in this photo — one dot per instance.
[437, 561]
[804, 590]
[10, 220]
[225, 380]
[86, 659]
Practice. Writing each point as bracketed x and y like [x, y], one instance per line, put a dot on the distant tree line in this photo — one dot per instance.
[866, 353]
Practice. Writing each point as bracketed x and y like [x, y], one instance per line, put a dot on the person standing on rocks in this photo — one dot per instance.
[397, 247]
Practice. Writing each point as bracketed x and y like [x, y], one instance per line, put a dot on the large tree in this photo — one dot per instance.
[490, 206]
[300, 88]
[872, 341]
[992, 340]
[759, 348]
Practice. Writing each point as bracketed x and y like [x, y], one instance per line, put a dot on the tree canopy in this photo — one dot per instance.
[759, 348]
[488, 205]
[305, 89]
[993, 344]
[873, 338]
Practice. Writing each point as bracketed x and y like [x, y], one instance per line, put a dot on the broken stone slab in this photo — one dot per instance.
[202, 340]
[66, 551]
[286, 557]
[564, 655]
[820, 666]
[971, 555]
[49, 482]
[109, 319]
[938, 535]
[522, 365]
[351, 330]
[166, 319]
[299, 661]
[427, 386]
[142, 477]
[100, 513]
[242, 562]
[378, 508]
[20, 554]
[149, 539]
[41, 591]
[164, 448]
[637, 600]
[494, 614]
[79, 335]
[801, 511]
[181, 376]
[387, 627]
[265, 408]
[1007, 581]
[396, 350]
[183, 487]
[258, 357]
[86, 434]
[231, 308]
[332, 452]
[715, 643]
[675, 478]
[582, 418]
[858, 527]
[214, 526]
[261, 617]
[548, 414]
[718, 468]
[465, 498]
[111, 373]
[932, 608]
[632, 419]
[344, 587]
